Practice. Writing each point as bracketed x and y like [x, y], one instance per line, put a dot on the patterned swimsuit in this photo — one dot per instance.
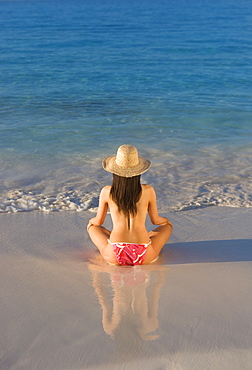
[129, 254]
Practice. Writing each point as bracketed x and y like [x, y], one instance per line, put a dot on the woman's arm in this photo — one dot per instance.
[153, 211]
[102, 208]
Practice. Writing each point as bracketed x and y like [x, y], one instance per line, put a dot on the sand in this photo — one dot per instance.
[63, 308]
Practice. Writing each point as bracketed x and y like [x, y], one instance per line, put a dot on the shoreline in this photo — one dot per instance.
[193, 307]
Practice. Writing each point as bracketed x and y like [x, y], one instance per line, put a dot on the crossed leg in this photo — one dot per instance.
[99, 236]
[158, 237]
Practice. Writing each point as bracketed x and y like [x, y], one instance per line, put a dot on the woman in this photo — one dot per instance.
[129, 243]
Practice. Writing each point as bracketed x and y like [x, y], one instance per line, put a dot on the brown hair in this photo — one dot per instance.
[126, 192]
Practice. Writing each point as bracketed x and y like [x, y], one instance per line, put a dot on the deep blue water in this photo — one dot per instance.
[80, 78]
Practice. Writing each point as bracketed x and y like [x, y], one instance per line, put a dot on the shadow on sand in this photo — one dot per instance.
[239, 250]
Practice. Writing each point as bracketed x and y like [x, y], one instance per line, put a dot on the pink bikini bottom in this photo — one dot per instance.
[129, 254]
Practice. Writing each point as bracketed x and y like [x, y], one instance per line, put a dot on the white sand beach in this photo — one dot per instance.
[63, 308]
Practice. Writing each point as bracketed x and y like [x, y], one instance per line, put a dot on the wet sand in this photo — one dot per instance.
[62, 307]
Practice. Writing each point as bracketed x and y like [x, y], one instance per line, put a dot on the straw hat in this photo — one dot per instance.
[126, 163]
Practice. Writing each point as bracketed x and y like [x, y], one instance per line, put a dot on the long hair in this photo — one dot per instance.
[126, 192]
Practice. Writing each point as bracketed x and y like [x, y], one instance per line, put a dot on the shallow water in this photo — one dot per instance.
[78, 80]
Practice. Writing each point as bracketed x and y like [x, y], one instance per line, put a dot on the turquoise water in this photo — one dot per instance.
[80, 78]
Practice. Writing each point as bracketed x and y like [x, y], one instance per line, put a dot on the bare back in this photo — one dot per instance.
[133, 231]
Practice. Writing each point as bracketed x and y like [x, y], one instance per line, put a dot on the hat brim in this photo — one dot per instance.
[109, 164]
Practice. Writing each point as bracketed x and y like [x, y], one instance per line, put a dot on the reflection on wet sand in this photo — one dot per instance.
[129, 298]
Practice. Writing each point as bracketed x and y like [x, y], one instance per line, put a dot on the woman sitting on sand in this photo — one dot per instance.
[129, 243]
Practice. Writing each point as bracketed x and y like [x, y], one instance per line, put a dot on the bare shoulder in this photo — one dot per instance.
[107, 188]
[148, 189]
[148, 192]
[105, 191]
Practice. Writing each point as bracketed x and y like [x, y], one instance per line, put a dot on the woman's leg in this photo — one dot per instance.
[99, 236]
[158, 237]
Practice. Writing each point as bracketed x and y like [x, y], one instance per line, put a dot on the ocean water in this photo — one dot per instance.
[81, 78]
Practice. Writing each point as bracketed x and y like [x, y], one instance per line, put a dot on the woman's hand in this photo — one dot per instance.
[166, 222]
[91, 222]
